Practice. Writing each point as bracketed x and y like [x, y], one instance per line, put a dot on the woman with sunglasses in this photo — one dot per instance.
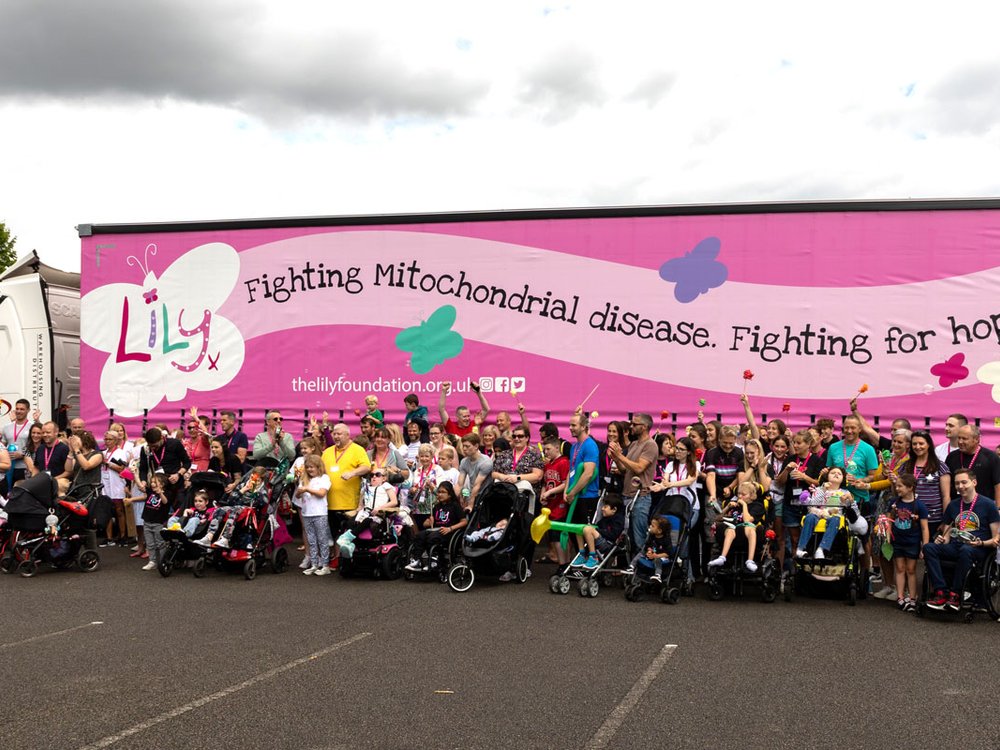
[196, 441]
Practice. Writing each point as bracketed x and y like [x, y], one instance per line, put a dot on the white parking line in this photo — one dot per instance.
[50, 635]
[173, 713]
[618, 714]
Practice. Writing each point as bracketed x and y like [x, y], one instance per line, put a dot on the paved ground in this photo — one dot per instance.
[308, 664]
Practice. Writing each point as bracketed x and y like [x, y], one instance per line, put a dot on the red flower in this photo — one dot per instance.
[786, 407]
[664, 414]
[748, 374]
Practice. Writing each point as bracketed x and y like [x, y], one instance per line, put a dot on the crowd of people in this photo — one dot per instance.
[926, 500]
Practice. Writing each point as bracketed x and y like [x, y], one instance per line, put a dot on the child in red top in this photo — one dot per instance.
[553, 496]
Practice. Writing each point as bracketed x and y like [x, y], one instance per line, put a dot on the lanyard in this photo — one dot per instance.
[973, 461]
[17, 431]
[516, 458]
[848, 459]
[48, 454]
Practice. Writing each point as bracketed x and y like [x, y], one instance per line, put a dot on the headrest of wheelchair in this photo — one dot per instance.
[268, 462]
[395, 479]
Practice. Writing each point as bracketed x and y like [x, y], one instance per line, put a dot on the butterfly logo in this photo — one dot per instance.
[951, 370]
[150, 296]
[696, 272]
[432, 341]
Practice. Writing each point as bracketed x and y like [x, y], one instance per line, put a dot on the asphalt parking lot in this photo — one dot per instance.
[126, 659]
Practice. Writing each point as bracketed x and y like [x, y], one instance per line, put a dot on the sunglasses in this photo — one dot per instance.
[519, 437]
[277, 419]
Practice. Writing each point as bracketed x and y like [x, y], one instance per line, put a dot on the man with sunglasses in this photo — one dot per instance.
[274, 441]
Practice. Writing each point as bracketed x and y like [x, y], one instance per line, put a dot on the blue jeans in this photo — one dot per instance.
[809, 523]
[963, 555]
[640, 519]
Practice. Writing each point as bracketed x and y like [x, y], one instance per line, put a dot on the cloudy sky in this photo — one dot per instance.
[118, 111]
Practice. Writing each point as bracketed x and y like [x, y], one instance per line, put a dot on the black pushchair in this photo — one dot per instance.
[495, 551]
[41, 527]
[179, 549]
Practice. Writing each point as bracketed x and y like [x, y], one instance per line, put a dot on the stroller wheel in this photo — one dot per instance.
[166, 566]
[27, 568]
[670, 596]
[279, 560]
[199, 567]
[768, 593]
[522, 569]
[715, 592]
[583, 587]
[554, 584]
[250, 569]
[7, 564]
[852, 594]
[461, 577]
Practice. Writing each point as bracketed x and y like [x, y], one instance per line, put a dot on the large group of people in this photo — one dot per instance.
[931, 501]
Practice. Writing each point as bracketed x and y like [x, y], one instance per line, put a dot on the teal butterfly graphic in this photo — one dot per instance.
[432, 341]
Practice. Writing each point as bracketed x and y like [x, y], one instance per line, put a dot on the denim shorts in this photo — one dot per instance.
[791, 517]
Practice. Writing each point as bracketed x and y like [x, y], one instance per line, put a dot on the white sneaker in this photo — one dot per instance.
[717, 562]
[508, 576]
[149, 566]
[886, 592]
[415, 566]
[305, 563]
[656, 577]
[324, 571]
[819, 554]
[309, 571]
[800, 553]
[205, 541]
[751, 566]
[526, 577]
[221, 543]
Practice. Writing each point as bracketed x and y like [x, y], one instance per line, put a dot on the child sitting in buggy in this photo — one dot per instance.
[253, 492]
[656, 549]
[600, 539]
[192, 517]
[489, 534]
[745, 512]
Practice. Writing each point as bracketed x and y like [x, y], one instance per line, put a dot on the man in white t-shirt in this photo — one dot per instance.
[951, 427]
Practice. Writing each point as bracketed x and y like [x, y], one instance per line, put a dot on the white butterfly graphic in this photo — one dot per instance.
[164, 336]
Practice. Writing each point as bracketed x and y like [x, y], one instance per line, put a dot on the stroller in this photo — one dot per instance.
[248, 537]
[382, 548]
[502, 550]
[179, 549]
[675, 576]
[42, 528]
[735, 573]
[611, 567]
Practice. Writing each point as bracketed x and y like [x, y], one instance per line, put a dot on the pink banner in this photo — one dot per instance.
[661, 312]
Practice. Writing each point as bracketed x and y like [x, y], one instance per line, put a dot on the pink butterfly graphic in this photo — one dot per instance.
[151, 297]
[951, 370]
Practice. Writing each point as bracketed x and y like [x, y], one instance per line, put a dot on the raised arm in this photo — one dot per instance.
[442, 409]
[754, 430]
[484, 407]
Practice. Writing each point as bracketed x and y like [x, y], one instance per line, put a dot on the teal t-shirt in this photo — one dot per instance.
[857, 460]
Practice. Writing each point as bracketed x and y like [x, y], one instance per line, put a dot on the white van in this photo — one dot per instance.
[40, 338]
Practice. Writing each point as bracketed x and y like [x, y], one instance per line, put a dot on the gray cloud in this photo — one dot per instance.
[213, 53]
[966, 101]
[562, 83]
[653, 88]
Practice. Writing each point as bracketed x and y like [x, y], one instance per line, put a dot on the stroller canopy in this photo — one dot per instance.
[34, 496]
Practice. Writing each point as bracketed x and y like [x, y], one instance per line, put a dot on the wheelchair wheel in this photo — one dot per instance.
[991, 588]
[392, 564]
[166, 566]
[199, 567]
[461, 577]
[715, 592]
[7, 564]
[852, 594]
[250, 569]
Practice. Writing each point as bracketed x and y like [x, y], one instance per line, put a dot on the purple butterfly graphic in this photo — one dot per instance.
[150, 296]
[951, 370]
[696, 272]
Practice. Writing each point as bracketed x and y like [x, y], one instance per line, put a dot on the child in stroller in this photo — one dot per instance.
[252, 492]
[600, 539]
[192, 517]
[656, 549]
[745, 512]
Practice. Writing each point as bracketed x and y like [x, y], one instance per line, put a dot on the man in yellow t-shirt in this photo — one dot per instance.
[346, 462]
